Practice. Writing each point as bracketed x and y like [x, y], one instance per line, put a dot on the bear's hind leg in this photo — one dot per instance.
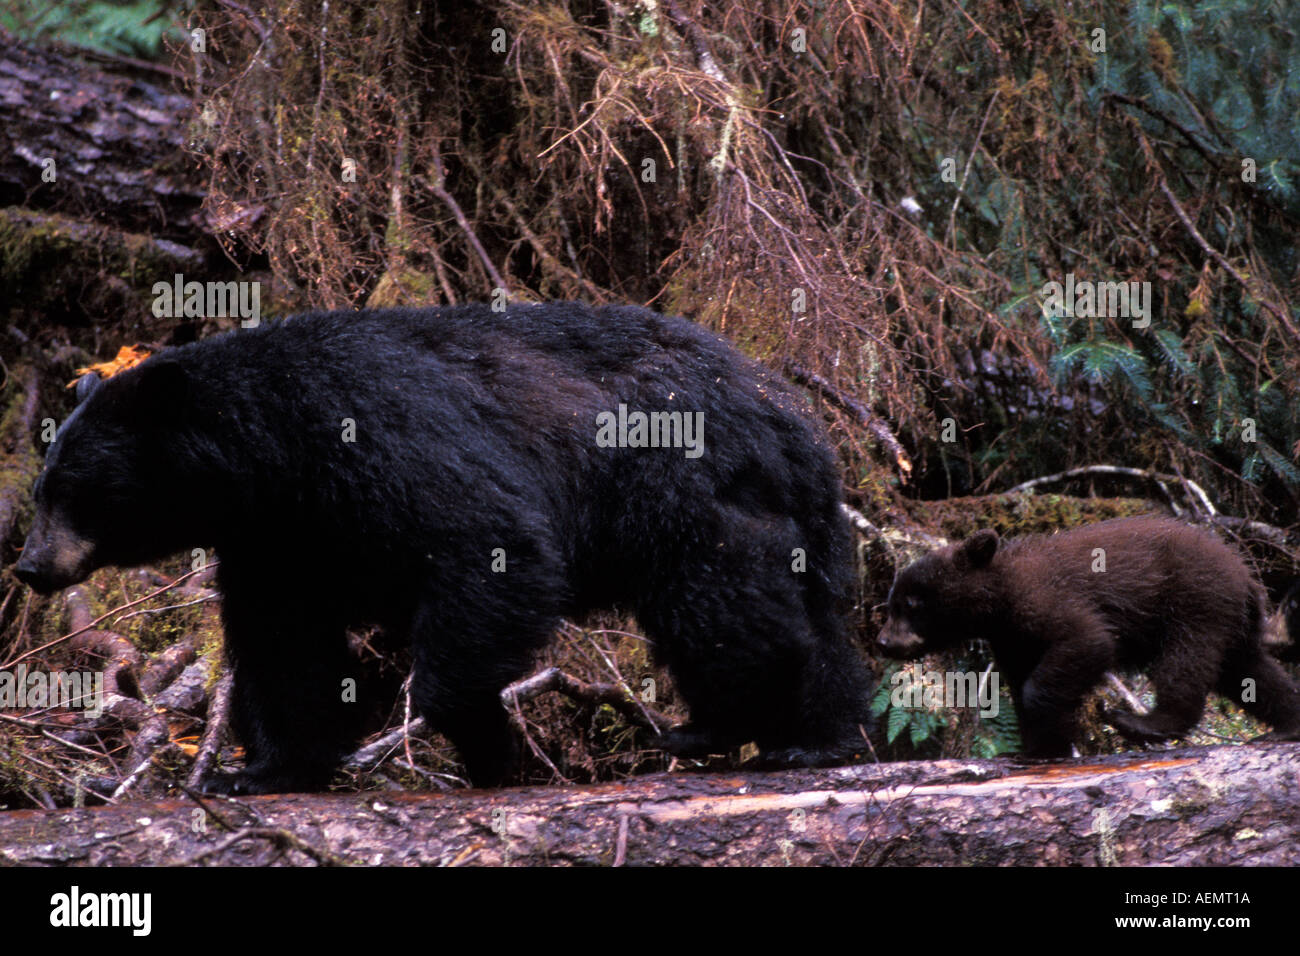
[462, 663]
[1275, 699]
[734, 631]
[1182, 675]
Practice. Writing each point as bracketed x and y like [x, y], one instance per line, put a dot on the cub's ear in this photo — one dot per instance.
[978, 550]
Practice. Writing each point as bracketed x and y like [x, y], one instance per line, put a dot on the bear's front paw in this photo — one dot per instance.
[686, 741]
[246, 783]
[794, 758]
[230, 785]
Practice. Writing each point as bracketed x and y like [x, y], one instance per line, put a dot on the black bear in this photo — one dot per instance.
[1061, 610]
[462, 478]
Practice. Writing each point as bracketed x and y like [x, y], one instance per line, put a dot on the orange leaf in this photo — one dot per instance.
[128, 356]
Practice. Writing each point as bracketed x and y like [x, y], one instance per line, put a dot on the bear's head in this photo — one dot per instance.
[108, 480]
[936, 600]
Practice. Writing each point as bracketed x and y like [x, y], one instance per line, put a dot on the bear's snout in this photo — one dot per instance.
[53, 557]
[897, 639]
[32, 575]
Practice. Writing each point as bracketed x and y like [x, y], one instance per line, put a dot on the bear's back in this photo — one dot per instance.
[1147, 576]
[580, 359]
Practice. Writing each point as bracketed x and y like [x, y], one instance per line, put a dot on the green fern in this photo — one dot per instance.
[131, 28]
[1105, 362]
[899, 719]
[1170, 344]
[1282, 466]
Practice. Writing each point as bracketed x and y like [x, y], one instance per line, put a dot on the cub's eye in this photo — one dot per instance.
[912, 602]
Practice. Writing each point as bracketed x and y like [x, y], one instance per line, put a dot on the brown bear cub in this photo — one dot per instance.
[1061, 610]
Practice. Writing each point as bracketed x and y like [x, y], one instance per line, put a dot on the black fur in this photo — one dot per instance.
[475, 430]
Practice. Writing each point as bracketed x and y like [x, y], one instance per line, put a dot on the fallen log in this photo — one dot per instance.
[1192, 806]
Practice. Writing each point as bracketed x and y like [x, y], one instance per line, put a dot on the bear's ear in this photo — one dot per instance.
[978, 550]
[163, 384]
[88, 385]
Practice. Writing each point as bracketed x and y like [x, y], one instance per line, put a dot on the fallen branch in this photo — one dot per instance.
[543, 682]
[215, 728]
[554, 679]
[1119, 687]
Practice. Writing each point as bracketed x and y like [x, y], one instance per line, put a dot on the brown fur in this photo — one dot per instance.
[1173, 600]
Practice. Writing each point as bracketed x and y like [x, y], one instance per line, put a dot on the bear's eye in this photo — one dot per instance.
[912, 602]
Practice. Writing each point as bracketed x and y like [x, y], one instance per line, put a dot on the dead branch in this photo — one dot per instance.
[1197, 493]
[438, 186]
[369, 755]
[612, 695]
[864, 415]
[214, 729]
[1119, 687]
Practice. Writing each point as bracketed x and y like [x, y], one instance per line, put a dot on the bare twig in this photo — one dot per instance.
[554, 679]
[204, 599]
[1119, 687]
[372, 753]
[961, 187]
[439, 188]
[864, 415]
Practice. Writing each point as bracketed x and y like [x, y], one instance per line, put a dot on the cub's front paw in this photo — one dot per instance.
[1135, 728]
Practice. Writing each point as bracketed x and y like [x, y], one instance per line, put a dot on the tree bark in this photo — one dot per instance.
[1193, 806]
[117, 144]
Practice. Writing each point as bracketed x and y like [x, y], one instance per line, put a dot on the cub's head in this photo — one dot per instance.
[938, 600]
[102, 496]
